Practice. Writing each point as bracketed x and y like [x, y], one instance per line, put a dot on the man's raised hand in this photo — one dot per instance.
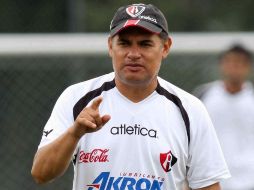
[89, 120]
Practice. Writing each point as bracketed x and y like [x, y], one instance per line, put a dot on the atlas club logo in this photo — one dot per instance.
[167, 160]
[135, 10]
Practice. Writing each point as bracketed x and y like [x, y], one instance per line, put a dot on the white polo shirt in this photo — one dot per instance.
[158, 143]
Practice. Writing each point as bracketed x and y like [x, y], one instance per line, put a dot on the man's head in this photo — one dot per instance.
[235, 64]
[137, 44]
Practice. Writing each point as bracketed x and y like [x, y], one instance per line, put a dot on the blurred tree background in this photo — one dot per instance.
[94, 15]
[30, 85]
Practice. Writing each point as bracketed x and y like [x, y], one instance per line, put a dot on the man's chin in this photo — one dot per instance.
[135, 81]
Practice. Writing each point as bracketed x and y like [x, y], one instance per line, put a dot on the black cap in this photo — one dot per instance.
[145, 16]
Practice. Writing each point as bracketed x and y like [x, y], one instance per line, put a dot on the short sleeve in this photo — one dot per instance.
[60, 119]
[206, 164]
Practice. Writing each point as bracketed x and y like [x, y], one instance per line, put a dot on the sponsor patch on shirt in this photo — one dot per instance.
[96, 155]
[125, 129]
[126, 181]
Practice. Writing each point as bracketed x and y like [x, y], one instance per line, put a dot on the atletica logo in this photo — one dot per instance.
[133, 130]
[104, 182]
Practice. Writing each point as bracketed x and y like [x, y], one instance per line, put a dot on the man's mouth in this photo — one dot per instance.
[134, 67]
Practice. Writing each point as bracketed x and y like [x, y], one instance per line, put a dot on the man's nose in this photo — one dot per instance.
[134, 53]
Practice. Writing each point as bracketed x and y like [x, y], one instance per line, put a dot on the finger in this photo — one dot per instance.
[87, 123]
[98, 120]
[88, 114]
[105, 119]
[93, 115]
[96, 103]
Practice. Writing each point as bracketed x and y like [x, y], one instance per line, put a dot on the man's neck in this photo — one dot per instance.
[233, 87]
[136, 93]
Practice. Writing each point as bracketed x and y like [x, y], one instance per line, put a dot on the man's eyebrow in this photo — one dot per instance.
[146, 41]
[140, 41]
[122, 39]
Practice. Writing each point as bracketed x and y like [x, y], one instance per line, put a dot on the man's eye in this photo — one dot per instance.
[146, 44]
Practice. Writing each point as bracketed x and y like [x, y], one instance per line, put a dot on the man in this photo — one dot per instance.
[230, 103]
[131, 129]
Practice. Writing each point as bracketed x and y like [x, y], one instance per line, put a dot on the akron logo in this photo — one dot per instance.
[167, 160]
[135, 10]
[105, 182]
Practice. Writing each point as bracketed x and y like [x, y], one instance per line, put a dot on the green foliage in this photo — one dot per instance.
[95, 15]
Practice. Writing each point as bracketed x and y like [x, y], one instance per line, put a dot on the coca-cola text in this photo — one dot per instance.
[97, 155]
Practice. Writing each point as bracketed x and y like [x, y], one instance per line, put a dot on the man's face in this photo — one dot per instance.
[136, 55]
[235, 67]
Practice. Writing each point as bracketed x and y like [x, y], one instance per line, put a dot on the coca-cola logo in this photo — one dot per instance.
[96, 155]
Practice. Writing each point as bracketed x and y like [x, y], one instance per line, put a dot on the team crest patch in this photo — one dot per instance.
[167, 160]
[135, 10]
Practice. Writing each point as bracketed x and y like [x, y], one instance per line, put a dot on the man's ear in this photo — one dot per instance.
[166, 47]
[110, 46]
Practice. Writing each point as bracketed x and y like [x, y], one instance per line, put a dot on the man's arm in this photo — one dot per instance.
[52, 160]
